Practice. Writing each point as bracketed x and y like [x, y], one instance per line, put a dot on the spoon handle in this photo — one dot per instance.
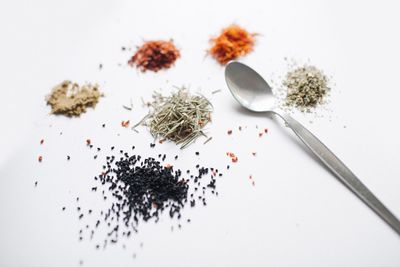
[341, 171]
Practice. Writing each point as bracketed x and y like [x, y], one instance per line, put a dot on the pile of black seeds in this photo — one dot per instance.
[142, 189]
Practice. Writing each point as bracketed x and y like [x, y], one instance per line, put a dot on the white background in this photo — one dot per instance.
[297, 214]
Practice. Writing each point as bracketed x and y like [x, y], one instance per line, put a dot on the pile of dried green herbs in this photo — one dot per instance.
[306, 86]
[179, 117]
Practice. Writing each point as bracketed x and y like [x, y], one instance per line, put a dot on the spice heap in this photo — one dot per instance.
[141, 189]
[180, 117]
[306, 87]
[232, 43]
[70, 99]
[155, 55]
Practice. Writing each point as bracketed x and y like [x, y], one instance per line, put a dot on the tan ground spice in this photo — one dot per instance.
[70, 99]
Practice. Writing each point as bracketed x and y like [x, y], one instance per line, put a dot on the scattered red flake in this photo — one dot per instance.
[168, 166]
[40, 158]
[254, 153]
[162, 140]
[88, 142]
[232, 156]
[154, 205]
[42, 141]
[230, 132]
[265, 130]
[125, 123]
[251, 177]
[260, 134]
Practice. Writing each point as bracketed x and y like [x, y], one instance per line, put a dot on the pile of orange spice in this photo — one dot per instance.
[233, 42]
[155, 55]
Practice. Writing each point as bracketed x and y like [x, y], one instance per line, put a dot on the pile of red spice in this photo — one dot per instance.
[155, 55]
[232, 43]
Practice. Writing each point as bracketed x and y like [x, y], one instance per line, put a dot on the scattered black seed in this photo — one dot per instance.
[100, 66]
[95, 157]
[36, 183]
[63, 208]
[68, 157]
[141, 189]
[91, 146]
[98, 149]
[103, 125]
[78, 208]
[197, 153]
[227, 167]
[77, 199]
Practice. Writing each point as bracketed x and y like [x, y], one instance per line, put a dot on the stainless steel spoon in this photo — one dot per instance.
[254, 93]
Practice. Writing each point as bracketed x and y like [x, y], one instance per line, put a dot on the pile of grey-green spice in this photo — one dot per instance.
[306, 87]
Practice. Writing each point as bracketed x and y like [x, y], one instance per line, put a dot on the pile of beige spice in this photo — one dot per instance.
[70, 99]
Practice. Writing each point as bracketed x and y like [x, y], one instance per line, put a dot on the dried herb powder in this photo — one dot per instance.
[306, 87]
[70, 99]
[155, 55]
[233, 42]
[179, 117]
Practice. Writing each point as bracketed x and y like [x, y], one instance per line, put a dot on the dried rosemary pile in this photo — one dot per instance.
[306, 87]
[179, 117]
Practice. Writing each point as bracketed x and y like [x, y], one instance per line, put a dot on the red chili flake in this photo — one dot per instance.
[40, 158]
[250, 177]
[232, 43]
[42, 141]
[230, 132]
[162, 141]
[88, 142]
[168, 166]
[260, 134]
[125, 123]
[155, 55]
[265, 130]
[232, 156]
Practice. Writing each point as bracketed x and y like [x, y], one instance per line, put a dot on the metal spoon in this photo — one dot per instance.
[253, 93]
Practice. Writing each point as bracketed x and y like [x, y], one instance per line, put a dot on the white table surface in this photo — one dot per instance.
[297, 214]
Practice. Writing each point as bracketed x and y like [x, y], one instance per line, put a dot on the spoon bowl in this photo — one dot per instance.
[249, 88]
